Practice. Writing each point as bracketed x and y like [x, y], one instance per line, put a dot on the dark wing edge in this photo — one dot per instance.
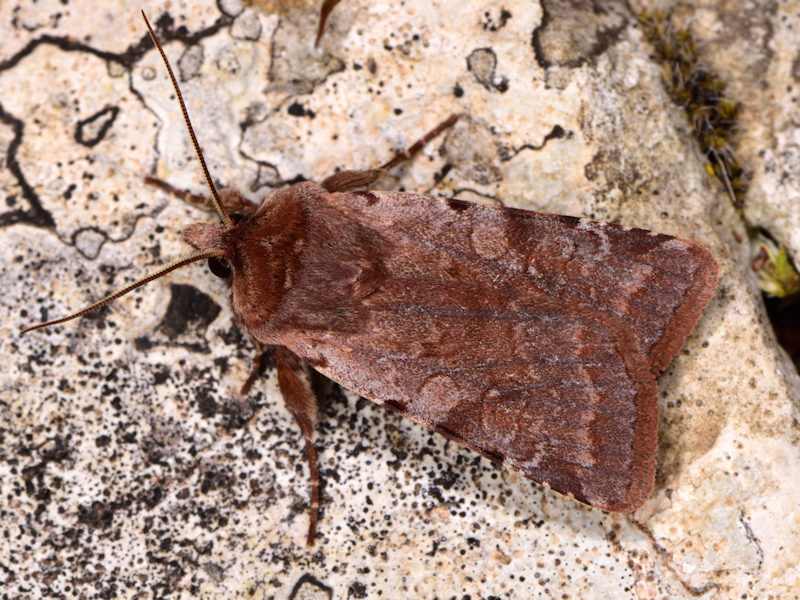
[688, 313]
[644, 444]
[645, 437]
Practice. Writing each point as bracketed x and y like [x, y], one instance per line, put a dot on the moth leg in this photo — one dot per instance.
[419, 144]
[232, 200]
[324, 13]
[295, 384]
[344, 181]
[255, 370]
[185, 195]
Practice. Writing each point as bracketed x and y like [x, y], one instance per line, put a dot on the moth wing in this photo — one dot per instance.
[553, 394]
[530, 338]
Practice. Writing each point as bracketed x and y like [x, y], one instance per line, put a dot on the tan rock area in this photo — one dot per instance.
[129, 465]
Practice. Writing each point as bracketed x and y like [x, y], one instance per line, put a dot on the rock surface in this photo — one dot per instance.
[129, 465]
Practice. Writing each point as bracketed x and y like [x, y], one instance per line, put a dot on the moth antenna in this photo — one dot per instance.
[177, 264]
[226, 220]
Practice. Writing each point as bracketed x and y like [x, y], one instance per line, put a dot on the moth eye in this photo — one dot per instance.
[220, 267]
[236, 217]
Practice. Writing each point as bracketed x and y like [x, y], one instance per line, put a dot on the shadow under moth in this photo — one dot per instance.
[532, 339]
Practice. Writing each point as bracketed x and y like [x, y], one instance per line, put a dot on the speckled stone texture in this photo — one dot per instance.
[130, 467]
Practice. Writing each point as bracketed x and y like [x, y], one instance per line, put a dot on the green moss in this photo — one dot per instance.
[714, 118]
[777, 276]
[701, 93]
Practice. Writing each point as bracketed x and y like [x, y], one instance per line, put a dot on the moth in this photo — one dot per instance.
[532, 339]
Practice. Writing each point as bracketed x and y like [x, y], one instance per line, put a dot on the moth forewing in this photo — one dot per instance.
[548, 374]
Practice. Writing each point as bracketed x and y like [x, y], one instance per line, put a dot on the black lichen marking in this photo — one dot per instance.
[188, 308]
[217, 479]
[142, 344]
[167, 32]
[98, 515]
[490, 24]
[74, 242]
[572, 34]
[151, 496]
[610, 170]
[206, 402]
[752, 538]
[35, 214]
[482, 62]
[92, 130]
[556, 133]
[399, 457]
[309, 581]
[164, 27]
[37, 484]
[237, 413]
[298, 110]
[267, 174]
[439, 176]
[447, 479]
[795, 71]
[357, 590]
[98, 317]
[171, 575]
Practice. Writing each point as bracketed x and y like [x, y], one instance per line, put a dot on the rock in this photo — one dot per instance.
[131, 466]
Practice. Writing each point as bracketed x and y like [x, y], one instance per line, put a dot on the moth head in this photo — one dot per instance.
[213, 238]
[207, 239]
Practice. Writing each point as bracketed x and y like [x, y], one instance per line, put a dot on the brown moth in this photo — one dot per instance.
[532, 339]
